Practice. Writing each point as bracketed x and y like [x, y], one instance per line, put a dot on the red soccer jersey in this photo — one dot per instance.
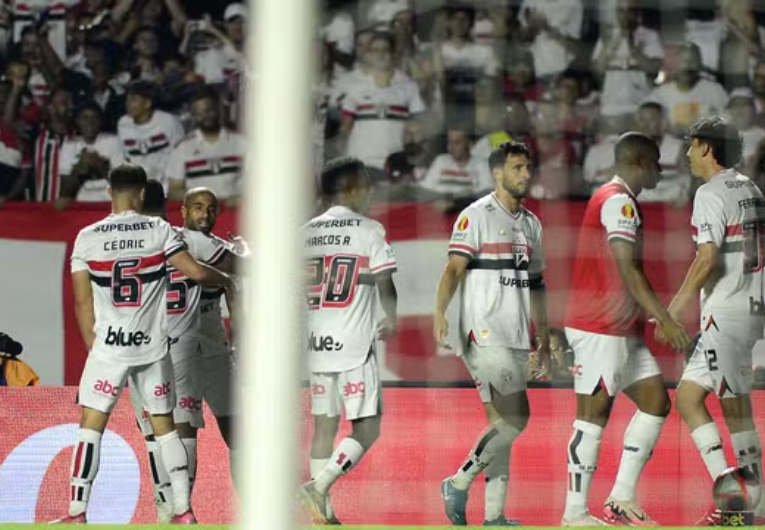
[599, 301]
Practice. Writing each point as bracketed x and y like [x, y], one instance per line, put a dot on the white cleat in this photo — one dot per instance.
[587, 520]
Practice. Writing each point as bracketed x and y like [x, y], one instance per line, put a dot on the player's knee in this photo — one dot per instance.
[658, 405]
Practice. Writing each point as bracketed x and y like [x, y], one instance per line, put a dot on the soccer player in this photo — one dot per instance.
[496, 259]
[609, 297]
[728, 227]
[348, 259]
[118, 277]
[183, 297]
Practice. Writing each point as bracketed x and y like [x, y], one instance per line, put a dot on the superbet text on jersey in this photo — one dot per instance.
[344, 251]
[506, 259]
[125, 255]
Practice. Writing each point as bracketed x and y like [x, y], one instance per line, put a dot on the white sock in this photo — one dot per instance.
[639, 440]
[177, 465]
[707, 439]
[317, 465]
[493, 441]
[163, 492]
[748, 449]
[496, 485]
[85, 460]
[583, 451]
[346, 455]
[190, 444]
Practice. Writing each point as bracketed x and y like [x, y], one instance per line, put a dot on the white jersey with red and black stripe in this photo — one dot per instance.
[215, 165]
[150, 144]
[125, 254]
[184, 296]
[729, 213]
[47, 153]
[28, 12]
[345, 252]
[506, 262]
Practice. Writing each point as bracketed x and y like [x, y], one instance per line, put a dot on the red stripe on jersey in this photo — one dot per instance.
[232, 158]
[130, 142]
[157, 137]
[383, 266]
[455, 172]
[366, 106]
[107, 265]
[196, 163]
[501, 248]
[463, 248]
[398, 108]
[348, 113]
[734, 230]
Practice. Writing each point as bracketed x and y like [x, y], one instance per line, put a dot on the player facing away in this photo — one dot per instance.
[118, 276]
[348, 260]
[610, 296]
[497, 261]
[728, 227]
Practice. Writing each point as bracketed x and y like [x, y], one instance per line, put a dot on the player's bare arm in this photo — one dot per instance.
[200, 272]
[83, 307]
[631, 271]
[389, 301]
[538, 306]
[704, 266]
[447, 286]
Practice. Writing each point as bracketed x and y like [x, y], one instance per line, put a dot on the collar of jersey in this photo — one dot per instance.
[508, 212]
[340, 207]
[619, 181]
[125, 213]
[724, 172]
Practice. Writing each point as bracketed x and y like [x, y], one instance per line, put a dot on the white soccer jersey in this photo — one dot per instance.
[380, 115]
[729, 212]
[345, 251]
[446, 176]
[26, 13]
[183, 294]
[149, 145]
[106, 145]
[506, 258]
[215, 251]
[216, 165]
[125, 254]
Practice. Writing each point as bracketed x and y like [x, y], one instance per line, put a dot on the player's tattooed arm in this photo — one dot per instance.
[447, 286]
[538, 304]
[201, 272]
[701, 270]
[83, 307]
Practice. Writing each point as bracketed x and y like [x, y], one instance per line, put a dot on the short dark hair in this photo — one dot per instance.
[153, 198]
[631, 146]
[340, 174]
[499, 154]
[142, 88]
[128, 177]
[384, 36]
[206, 92]
[726, 142]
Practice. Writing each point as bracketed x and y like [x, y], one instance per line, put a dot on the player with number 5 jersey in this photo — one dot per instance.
[728, 228]
[348, 262]
[118, 278]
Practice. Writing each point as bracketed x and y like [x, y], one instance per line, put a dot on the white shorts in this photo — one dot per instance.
[608, 361]
[184, 353]
[721, 364]
[358, 391]
[102, 382]
[498, 368]
[215, 373]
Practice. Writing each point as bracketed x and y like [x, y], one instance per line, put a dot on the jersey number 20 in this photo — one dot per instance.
[332, 281]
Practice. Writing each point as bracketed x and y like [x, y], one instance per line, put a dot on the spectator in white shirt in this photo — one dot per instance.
[456, 174]
[554, 28]
[377, 106]
[627, 57]
[211, 156]
[225, 58]
[85, 160]
[338, 33]
[381, 12]
[742, 115]
[688, 97]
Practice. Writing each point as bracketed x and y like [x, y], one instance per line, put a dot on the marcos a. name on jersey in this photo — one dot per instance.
[344, 252]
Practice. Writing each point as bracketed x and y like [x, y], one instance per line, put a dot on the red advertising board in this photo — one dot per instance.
[426, 433]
